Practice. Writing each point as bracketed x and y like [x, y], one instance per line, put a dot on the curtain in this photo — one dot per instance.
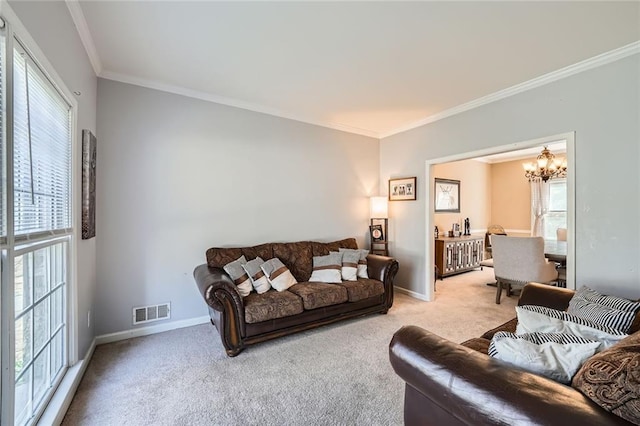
[539, 206]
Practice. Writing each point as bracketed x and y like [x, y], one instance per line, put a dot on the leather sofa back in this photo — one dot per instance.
[297, 256]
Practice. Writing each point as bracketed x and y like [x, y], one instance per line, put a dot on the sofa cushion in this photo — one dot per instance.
[295, 256]
[478, 344]
[323, 249]
[327, 269]
[264, 251]
[217, 257]
[317, 295]
[271, 305]
[612, 379]
[363, 288]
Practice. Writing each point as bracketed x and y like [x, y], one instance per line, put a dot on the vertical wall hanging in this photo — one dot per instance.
[88, 184]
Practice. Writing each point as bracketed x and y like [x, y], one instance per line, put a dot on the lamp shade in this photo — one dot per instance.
[378, 207]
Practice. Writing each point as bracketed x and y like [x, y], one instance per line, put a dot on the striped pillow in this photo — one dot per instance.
[278, 275]
[362, 262]
[257, 276]
[239, 275]
[327, 269]
[532, 319]
[350, 265]
[610, 311]
[557, 356]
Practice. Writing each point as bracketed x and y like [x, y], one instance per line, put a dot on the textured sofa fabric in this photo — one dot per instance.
[611, 379]
[258, 317]
[458, 384]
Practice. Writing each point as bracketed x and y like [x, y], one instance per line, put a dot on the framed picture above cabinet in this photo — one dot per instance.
[447, 196]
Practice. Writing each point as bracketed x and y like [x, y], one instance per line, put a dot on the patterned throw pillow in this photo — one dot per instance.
[257, 276]
[327, 269]
[349, 265]
[239, 275]
[554, 355]
[278, 275]
[362, 261]
[610, 311]
[540, 319]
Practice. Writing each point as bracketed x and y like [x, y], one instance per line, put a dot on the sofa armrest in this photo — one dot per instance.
[476, 389]
[215, 287]
[545, 295]
[383, 268]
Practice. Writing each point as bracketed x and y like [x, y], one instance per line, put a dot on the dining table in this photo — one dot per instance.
[556, 251]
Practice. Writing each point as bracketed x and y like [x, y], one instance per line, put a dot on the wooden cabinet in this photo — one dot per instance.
[458, 254]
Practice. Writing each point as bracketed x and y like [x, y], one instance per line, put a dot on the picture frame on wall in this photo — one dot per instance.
[89, 151]
[402, 189]
[447, 196]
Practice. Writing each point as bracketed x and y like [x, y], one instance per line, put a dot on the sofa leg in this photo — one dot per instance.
[234, 351]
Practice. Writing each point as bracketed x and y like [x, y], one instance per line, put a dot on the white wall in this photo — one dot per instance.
[50, 24]
[602, 106]
[179, 175]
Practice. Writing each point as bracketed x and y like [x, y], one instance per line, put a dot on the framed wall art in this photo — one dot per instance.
[447, 196]
[88, 184]
[402, 189]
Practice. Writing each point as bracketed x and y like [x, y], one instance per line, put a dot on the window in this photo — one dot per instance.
[37, 197]
[556, 216]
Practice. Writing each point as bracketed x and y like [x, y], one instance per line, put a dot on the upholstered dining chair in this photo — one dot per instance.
[519, 260]
[491, 231]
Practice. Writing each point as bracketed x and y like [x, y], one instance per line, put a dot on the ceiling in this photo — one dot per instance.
[373, 68]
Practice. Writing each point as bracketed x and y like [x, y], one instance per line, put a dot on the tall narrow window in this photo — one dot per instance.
[37, 246]
[556, 216]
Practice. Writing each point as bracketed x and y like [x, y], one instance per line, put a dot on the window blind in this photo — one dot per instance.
[41, 153]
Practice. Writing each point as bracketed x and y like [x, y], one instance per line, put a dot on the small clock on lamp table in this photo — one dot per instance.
[379, 226]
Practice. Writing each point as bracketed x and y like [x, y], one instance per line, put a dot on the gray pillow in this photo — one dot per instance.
[258, 278]
[350, 261]
[327, 269]
[239, 275]
[362, 262]
[278, 275]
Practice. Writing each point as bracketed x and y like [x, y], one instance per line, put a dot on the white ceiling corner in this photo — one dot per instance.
[85, 34]
[353, 78]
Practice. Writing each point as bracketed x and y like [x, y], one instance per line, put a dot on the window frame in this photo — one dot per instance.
[550, 211]
[13, 31]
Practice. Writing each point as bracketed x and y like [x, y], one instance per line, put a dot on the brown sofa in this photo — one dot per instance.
[259, 317]
[459, 384]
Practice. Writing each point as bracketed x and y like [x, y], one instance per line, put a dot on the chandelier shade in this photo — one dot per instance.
[546, 167]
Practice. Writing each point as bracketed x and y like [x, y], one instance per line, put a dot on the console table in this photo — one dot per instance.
[455, 255]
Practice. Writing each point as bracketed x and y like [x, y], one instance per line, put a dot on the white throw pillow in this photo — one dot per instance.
[540, 319]
[239, 275]
[362, 262]
[258, 278]
[612, 311]
[327, 269]
[554, 355]
[349, 265]
[278, 275]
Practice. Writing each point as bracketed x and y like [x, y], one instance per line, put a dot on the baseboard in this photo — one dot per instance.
[411, 293]
[61, 399]
[152, 329]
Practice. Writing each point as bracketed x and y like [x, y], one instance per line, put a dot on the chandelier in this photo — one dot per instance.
[545, 167]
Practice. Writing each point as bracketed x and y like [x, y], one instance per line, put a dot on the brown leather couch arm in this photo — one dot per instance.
[214, 284]
[384, 269]
[545, 295]
[475, 389]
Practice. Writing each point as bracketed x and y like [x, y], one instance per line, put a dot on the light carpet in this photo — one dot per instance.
[334, 375]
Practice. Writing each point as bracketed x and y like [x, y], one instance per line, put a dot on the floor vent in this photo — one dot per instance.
[151, 313]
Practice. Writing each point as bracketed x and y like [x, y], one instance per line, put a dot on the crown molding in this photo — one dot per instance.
[587, 64]
[197, 94]
[85, 35]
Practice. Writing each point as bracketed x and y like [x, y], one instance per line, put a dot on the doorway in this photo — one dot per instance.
[505, 151]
